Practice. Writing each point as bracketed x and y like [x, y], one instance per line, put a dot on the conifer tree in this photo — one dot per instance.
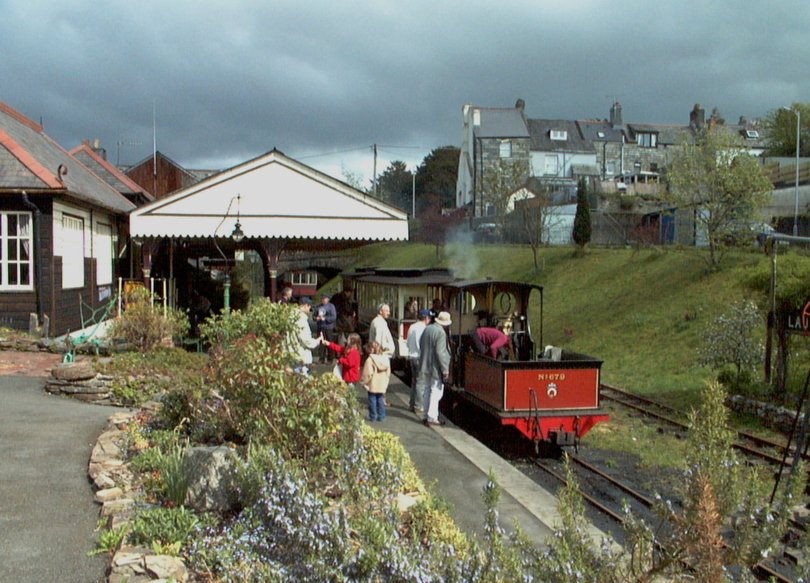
[582, 220]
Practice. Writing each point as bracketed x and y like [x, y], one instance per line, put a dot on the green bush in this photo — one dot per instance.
[145, 326]
[140, 376]
[260, 400]
[263, 318]
[165, 526]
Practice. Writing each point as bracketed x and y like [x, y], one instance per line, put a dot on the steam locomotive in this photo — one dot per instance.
[549, 396]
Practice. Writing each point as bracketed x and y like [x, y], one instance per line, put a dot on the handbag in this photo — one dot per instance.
[338, 371]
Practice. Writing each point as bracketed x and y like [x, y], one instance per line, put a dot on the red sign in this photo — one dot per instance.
[553, 389]
[799, 322]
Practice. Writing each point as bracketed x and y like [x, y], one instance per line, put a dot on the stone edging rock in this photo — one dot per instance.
[80, 381]
[115, 493]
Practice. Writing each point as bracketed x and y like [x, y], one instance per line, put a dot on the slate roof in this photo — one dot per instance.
[600, 131]
[540, 130]
[29, 159]
[109, 173]
[497, 122]
[668, 135]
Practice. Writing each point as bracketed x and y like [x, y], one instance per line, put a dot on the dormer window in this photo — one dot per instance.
[560, 135]
[751, 134]
[647, 140]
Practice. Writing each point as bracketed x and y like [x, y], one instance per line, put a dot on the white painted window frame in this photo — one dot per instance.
[19, 241]
[73, 249]
[103, 251]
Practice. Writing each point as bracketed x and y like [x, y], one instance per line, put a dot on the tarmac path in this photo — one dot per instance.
[47, 513]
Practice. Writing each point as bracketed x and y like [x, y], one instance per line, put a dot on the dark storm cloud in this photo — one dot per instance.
[231, 80]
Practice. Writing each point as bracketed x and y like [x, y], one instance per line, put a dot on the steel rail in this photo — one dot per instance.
[740, 434]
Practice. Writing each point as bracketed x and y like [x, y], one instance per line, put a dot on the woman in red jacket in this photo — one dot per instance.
[349, 360]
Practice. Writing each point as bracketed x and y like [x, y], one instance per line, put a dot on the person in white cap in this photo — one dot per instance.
[434, 366]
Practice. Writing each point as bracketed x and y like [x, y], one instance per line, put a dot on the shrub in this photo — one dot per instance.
[144, 326]
[165, 526]
[730, 342]
[175, 472]
[260, 400]
[263, 318]
[140, 376]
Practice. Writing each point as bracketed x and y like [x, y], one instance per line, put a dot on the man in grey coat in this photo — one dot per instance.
[434, 366]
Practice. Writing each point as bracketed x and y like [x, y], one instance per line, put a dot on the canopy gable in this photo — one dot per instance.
[274, 197]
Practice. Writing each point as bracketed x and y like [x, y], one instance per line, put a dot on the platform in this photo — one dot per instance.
[456, 466]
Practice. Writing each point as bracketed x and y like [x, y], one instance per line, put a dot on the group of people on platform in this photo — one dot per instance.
[318, 327]
[370, 365]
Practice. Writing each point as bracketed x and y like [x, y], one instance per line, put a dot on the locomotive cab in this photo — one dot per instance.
[549, 397]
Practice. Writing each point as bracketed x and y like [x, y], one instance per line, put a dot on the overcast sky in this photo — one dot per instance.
[324, 80]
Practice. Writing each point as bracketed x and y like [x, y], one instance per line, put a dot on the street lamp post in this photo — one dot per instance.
[796, 209]
[798, 113]
[413, 195]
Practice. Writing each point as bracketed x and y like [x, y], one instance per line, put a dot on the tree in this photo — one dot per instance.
[730, 342]
[530, 218]
[582, 220]
[437, 175]
[502, 181]
[395, 185]
[781, 131]
[723, 185]
[353, 179]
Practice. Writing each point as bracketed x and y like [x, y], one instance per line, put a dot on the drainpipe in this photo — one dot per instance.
[37, 251]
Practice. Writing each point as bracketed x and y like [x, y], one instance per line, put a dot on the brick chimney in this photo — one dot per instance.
[697, 117]
[616, 115]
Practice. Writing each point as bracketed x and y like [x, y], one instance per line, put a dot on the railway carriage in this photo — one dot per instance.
[549, 395]
[406, 291]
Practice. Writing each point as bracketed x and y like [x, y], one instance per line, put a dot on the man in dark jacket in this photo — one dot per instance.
[434, 366]
[325, 317]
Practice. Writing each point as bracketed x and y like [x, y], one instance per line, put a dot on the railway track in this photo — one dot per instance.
[761, 570]
[753, 445]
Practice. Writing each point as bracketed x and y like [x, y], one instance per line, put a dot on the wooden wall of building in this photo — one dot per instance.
[169, 177]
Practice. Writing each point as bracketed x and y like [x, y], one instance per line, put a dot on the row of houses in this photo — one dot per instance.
[614, 156]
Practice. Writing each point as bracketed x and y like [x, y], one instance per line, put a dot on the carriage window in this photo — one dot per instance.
[464, 303]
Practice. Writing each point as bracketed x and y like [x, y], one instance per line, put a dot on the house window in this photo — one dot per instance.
[505, 149]
[561, 135]
[72, 252]
[104, 254]
[647, 140]
[16, 254]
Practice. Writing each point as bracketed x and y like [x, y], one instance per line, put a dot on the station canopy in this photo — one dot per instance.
[272, 197]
